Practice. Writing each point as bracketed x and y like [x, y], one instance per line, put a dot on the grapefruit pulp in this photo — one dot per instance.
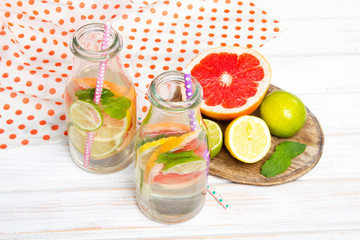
[234, 81]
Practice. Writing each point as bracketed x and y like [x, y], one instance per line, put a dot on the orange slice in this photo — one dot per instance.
[234, 81]
[91, 83]
[175, 143]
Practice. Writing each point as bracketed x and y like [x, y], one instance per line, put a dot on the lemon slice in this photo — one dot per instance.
[145, 151]
[99, 149]
[86, 115]
[154, 144]
[187, 167]
[248, 138]
[215, 137]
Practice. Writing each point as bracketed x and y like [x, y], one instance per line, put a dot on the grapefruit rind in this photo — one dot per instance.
[220, 113]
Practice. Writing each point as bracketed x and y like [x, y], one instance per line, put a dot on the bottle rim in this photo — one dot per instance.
[79, 51]
[174, 106]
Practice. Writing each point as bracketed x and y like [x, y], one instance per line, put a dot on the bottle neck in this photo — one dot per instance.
[86, 43]
[167, 92]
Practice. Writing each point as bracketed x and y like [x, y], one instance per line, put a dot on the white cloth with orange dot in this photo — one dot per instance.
[35, 59]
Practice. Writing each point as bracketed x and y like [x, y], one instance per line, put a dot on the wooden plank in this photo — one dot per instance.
[100, 213]
[49, 167]
[280, 9]
[62, 174]
[316, 37]
[343, 235]
[313, 75]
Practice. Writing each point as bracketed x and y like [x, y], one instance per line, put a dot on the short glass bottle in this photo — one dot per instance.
[172, 152]
[112, 121]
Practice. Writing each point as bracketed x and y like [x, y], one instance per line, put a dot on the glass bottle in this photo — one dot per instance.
[112, 121]
[172, 151]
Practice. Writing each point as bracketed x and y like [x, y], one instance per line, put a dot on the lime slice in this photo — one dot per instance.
[86, 115]
[215, 136]
[187, 167]
[99, 149]
[112, 129]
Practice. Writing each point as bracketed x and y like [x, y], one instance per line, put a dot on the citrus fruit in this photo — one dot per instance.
[99, 150]
[284, 113]
[171, 145]
[174, 178]
[248, 138]
[167, 128]
[86, 83]
[187, 167]
[234, 81]
[86, 115]
[144, 152]
[215, 136]
[111, 128]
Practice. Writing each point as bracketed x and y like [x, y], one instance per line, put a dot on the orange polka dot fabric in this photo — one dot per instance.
[35, 60]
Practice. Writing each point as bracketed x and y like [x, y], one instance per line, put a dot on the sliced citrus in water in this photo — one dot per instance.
[86, 115]
[171, 145]
[91, 83]
[173, 178]
[215, 136]
[111, 129]
[167, 128]
[99, 149]
[234, 81]
[248, 138]
[145, 151]
[187, 167]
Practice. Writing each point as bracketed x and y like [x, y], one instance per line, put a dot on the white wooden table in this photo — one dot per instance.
[43, 195]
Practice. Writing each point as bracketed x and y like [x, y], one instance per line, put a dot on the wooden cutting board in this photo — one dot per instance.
[226, 166]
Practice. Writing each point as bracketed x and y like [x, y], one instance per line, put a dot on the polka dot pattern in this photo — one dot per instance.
[158, 36]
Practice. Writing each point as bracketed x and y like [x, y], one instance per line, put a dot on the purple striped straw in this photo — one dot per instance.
[210, 189]
[98, 90]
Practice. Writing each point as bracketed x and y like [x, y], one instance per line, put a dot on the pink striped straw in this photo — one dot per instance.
[98, 90]
[210, 189]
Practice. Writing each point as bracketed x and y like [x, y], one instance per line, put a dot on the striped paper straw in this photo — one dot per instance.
[210, 189]
[98, 90]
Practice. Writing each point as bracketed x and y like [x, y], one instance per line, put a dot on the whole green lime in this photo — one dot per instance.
[283, 112]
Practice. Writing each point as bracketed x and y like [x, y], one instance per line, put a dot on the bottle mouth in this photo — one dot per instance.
[86, 43]
[168, 92]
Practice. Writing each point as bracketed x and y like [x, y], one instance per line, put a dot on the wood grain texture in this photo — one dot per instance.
[43, 195]
[112, 213]
[226, 166]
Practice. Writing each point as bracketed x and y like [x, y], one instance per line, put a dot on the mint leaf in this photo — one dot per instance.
[184, 154]
[88, 94]
[280, 160]
[291, 149]
[172, 159]
[116, 107]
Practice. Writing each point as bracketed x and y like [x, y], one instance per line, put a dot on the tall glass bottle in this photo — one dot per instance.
[172, 152]
[112, 121]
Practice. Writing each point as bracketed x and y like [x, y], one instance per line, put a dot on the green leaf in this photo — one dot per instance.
[172, 159]
[173, 155]
[88, 94]
[116, 107]
[291, 149]
[85, 95]
[280, 160]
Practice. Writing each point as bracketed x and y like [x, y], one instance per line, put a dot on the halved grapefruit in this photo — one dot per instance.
[234, 80]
